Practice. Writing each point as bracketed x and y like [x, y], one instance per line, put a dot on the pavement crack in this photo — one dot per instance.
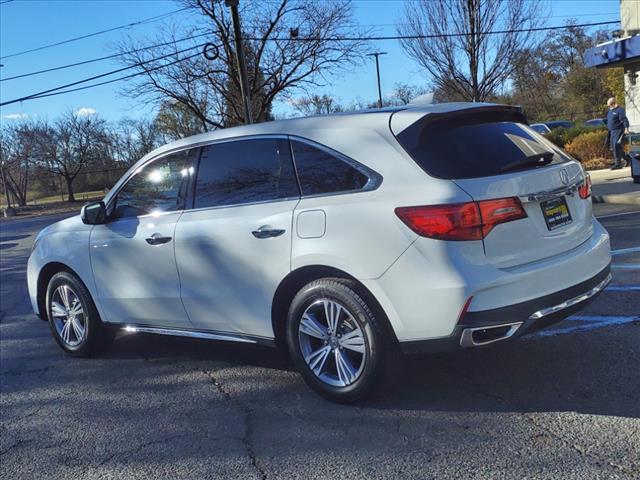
[17, 372]
[581, 450]
[17, 444]
[248, 413]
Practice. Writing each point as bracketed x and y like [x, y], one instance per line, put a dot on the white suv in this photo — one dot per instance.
[347, 238]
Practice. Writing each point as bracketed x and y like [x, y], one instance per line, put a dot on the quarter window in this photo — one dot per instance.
[159, 186]
[245, 171]
[322, 172]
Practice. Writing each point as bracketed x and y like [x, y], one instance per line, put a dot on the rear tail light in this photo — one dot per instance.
[585, 189]
[461, 221]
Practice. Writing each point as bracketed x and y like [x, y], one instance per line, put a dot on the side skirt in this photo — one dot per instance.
[202, 334]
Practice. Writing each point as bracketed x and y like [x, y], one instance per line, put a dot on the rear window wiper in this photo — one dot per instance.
[538, 160]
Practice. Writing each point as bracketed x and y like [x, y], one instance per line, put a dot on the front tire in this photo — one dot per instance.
[337, 343]
[73, 317]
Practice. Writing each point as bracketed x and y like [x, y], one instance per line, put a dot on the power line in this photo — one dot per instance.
[126, 77]
[50, 92]
[435, 35]
[568, 17]
[95, 77]
[128, 25]
[93, 60]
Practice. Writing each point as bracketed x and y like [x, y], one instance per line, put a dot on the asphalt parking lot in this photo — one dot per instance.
[562, 404]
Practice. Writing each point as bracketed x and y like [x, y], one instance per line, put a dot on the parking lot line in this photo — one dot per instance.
[586, 323]
[619, 214]
[624, 251]
[623, 288]
[625, 267]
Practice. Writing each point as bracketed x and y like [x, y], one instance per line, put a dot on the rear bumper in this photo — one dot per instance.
[506, 323]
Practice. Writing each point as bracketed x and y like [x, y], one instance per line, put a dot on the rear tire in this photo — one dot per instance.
[73, 317]
[341, 349]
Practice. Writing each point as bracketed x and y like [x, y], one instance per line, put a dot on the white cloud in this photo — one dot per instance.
[16, 116]
[85, 112]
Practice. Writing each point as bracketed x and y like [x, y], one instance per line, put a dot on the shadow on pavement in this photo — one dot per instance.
[539, 375]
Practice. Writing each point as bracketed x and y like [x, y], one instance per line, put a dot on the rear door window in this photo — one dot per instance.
[322, 172]
[476, 145]
[245, 171]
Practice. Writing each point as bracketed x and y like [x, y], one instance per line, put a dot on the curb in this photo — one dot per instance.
[622, 199]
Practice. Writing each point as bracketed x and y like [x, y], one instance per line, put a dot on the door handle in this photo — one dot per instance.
[268, 232]
[157, 239]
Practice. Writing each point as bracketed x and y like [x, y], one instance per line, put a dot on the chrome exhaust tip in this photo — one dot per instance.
[479, 336]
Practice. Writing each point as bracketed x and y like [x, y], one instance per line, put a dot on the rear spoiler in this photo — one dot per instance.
[420, 117]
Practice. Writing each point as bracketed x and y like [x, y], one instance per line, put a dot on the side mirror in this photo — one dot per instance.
[94, 213]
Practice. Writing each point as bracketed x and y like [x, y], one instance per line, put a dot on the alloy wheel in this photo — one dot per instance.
[332, 343]
[68, 316]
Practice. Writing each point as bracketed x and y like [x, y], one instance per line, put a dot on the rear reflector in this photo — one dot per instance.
[461, 221]
[585, 189]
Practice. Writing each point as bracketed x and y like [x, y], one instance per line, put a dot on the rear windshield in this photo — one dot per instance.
[477, 145]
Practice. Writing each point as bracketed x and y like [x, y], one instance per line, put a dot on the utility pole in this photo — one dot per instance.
[242, 69]
[377, 54]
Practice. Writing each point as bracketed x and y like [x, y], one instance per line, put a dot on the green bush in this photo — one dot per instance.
[563, 136]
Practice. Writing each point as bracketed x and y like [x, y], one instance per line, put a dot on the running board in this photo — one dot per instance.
[176, 332]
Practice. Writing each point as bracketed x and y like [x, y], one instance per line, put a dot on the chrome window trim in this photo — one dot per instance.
[373, 183]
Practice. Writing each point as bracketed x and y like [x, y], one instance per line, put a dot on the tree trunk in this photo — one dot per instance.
[71, 198]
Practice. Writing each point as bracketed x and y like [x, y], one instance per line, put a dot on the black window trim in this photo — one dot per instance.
[114, 197]
[208, 143]
[374, 179]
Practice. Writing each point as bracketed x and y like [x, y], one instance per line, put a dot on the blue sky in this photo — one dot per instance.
[26, 24]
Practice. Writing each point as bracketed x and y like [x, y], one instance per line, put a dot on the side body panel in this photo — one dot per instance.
[138, 282]
[65, 242]
[229, 276]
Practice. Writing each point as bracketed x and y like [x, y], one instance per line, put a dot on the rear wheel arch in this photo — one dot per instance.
[296, 279]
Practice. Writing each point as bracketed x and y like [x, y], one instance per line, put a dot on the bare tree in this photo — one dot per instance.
[132, 139]
[175, 120]
[70, 145]
[291, 45]
[316, 105]
[16, 146]
[452, 41]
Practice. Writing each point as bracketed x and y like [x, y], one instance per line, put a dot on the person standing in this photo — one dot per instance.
[618, 126]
